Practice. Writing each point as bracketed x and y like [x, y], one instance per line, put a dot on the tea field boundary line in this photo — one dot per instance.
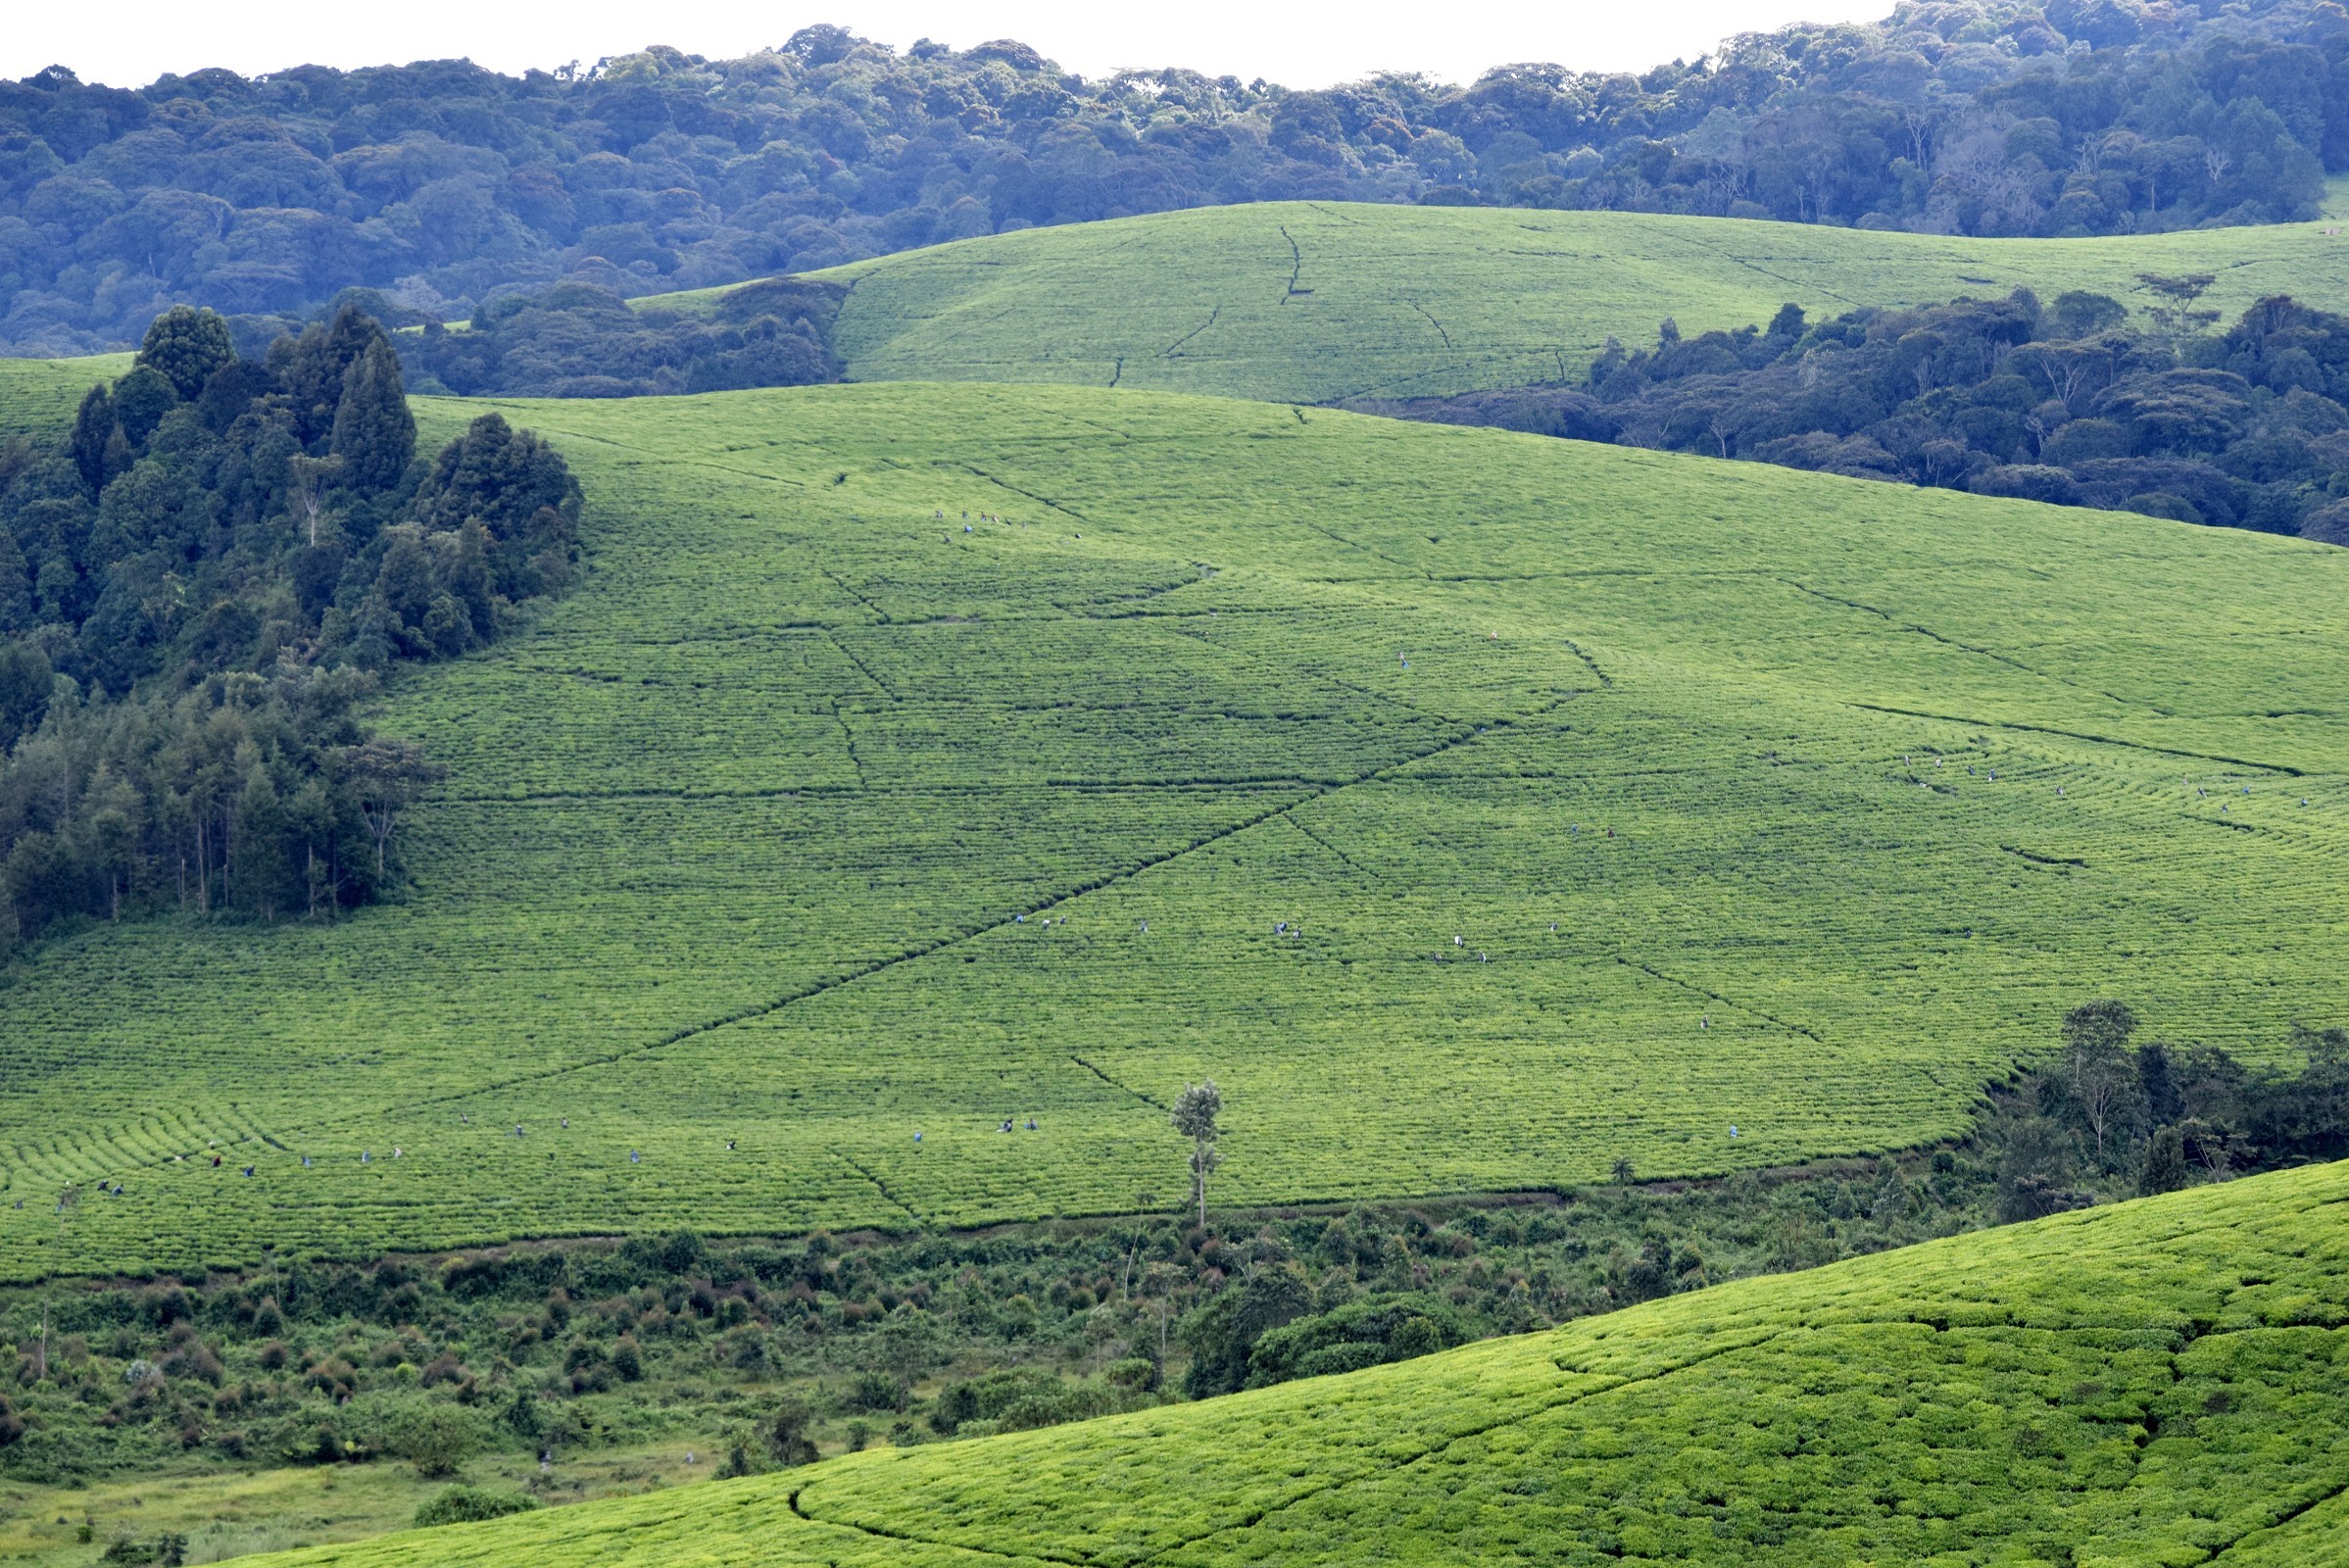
[1168, 351]
[1042, 500]
[840, 583]
[1372, 551]
[791, 1500]
[1431, 322]
[763, 791]
[2012, 662]
[881, 1186]
[1797, 1326]
[868, 970]
[1685, 985]
[1250, 656]
[1518, 1418]
[1338, 401]
[1114, 1084]
[1350, 862]
[2288, 1519]
[1125, 608]
[2082, 735]
[906, 791]
[1466, 733]
[1604, 679]
[1297, 263]
[849, 739]
[886, 690]
[1699, 241]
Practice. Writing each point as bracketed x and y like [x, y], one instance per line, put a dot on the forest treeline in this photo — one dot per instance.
[2246, 428]
[582, 340]
[441, 184]
[199, 581]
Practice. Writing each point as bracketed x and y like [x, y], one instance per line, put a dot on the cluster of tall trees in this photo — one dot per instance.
[441, 182]
[199, 581]
[2064, 402]
[582, 340]
[2174, 1115]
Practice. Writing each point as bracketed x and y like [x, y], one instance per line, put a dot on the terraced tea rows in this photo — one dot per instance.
[2163, 1382]
[1314, 302]
[42, 393]
[1479, 810]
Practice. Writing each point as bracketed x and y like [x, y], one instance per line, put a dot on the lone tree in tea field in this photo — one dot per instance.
[1195, 1111]
[2101, 1074]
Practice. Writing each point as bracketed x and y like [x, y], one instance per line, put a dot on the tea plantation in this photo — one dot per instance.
[1315, 302]
[42, 393]
[2162, 1382]
[1479, 810]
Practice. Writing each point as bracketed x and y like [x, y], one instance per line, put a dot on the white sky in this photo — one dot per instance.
[1300, 43]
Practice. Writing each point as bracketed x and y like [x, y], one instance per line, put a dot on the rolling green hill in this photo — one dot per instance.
[2161, 1381]
[1315, 302]
[1478, 809]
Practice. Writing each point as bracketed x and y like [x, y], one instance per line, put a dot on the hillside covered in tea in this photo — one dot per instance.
[1479, 811]
[2160, 1381]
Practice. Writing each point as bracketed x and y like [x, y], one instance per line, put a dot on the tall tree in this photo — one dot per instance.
[93, 426]
[186, 346]
[389, 776]
[373, 434]
[1193, 1116]
[2104, 1087]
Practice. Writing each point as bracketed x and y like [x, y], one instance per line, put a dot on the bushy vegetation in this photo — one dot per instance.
[773, 1352]
[469, 1505]
[198, 579]
[578, 340]
[2146, 1381]
[440, 181]
[754, 839]
[2002, 397]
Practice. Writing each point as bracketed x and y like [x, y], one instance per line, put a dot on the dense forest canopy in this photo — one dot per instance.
[440, 183]
[2246, 428]
[199, 581]
[582, 340]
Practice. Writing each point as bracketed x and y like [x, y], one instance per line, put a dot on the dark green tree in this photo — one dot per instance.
[373, 431]
[312, 369]
[142, 399]
[25, 681]
[786, 1432]
[188, 345]
[16, 586]
[2034, 1169]
[93, 428]
[2175, 309]
[2165, 1164]
[499, 478]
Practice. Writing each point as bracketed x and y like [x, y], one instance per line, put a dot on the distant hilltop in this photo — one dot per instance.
[440, 183]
